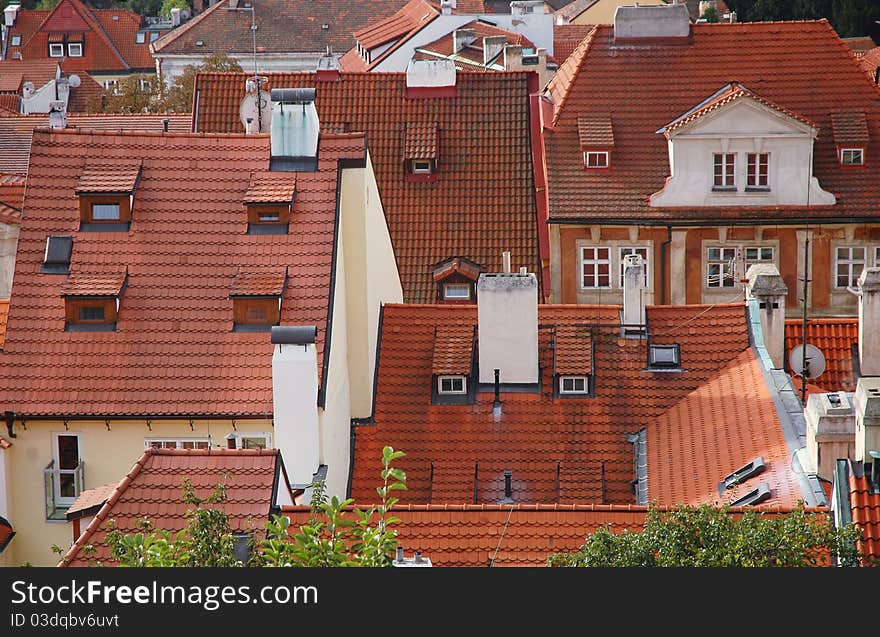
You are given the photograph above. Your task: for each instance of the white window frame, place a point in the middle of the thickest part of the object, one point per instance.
(15, 40)
(596, 262)
(140, 37)
(730, 267)
(112, 86)
(728, 171)
(70, 49)
(178, 442)
(623, 250)
(56, 49)
(145, 84)
(451, 378)
(597, 154)
(421, 166)
(466, 287)
(849, 263)
(574, 379)
(240, 436)
(64, 501)
(853, 153)
(762, 180)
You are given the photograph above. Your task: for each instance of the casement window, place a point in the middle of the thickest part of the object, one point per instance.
(758, 171)
(249, 440)
(642, 251)
(74, 49)
(723, 263)
(449, 384)
(177, 443)
(56, 50)
(852, 156)
(457, 291)
(574, 384)
(596, 159)
(664, 356)
(595, 267)
(724, 169)
(140, 37)
(849, 261)
(421, 166)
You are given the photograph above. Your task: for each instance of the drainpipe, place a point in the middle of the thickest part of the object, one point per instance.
(663, 269)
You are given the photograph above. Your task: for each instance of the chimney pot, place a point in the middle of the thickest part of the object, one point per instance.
(505, 261)
(57, 116)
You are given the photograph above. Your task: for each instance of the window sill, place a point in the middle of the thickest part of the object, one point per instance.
(90, 327)
(757, 189)
(723, 188)
(665, 370)
(97, 226)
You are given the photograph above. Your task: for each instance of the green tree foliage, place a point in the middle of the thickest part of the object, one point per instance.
(132, 96)
(850, 18)
(710, 14)
(333, 536)
(46, 5)
(179, 96)
(707, 536)
(168, 5)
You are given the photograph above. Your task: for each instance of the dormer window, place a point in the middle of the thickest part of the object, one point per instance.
(420, 151)
(456, 280)
(596, 137)
(452, 365)
(573, 361)
(256, 299)
(269, 200)
(56, 49)
(106, 196)
(92, 300)
(850, 132)
(852, 156)
(457, 291)
(664, 357)
(56, 259)
(74, 49)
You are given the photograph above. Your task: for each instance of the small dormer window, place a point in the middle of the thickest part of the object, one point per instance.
(572, 360)
(596, 159)
(664, 357)
(421, 166)
(852, 156)
(74, 49)
(420, 151)
(106, 195)
(596, 137)
(269, 199)
(457, 291)
(574, 384)
(56, 259)
(256, 299)
(451, 385)
(92, 300)
(452, 365)
(56, 50)
(15, 40)
(455, 279)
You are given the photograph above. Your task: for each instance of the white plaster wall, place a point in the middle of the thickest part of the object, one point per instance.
(170, 66)
(8, 245)
(507, 310)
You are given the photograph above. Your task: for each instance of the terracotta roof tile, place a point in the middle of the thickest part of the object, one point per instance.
(595, 131)
(411, 17)
(420, 141)
(453, 350)
(186, 242)
(457, 265)
(271, 188)
(474, 53)
(566, 37)
(91, 498)
(865, 508)
(544, 441)
(835, 337)
(642, 88)
(13, 73)
(251, 282)
(869, 62)
(152, 489)
(109, 178)
(849, 128)
(4, 315)
(11, 198)
(482, 202)
(88, 284)
(574, 350)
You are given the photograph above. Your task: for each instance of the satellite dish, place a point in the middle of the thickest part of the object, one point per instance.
(74, 80)
(815, 361)
(262, 115)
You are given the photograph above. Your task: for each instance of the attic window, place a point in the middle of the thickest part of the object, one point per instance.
(106, 194)
(140, 38)
(852, 156)
(420, 151)
(56, 50)
(452, 364)
(74, 49)
(755, 496)
(742, 474)
(455, 280)
(664, 356)
(451, 385)
(256, 299)
(850, 132)
(596, 137)
(596, 159)
(92, 301)
(200, 43)
(56, 259)
(15, 40)
(573, 359)
(574, 384)
(269, 199)
(457, 291)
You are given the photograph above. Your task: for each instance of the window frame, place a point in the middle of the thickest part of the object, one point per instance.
(849, 262)
(756, 180)
(585, 378)
(59, 49)
(86, 210)
(179, 442)
(15, 40)
(240, 436)
(852, 150)
(452, 377)
(598, 154)
(596, 262)
(242, 322)
(727, 175)
(654, 364)
(140, 37)
(73, 306)
(456, 285)
(738, 250)
(70, 46)
(421, 166)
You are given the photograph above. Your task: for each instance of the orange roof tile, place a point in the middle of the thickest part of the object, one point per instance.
(595, 131)
(566, 38)
(4, 315)
(457, 265)
(544, 441)
(482, 202)
(420, 141)
(271, 188)
(11, 198)
(117, 177)
(835, 337)
(869, 62)
(453, 350)
(91, 498)
(573, 350)
(849, 128)
(474, 53)
(88, 284)
(186, 242)
(411, 17)
(865, 507)
(642, 87)
(15, 72)
(152, 490)
(250, 282)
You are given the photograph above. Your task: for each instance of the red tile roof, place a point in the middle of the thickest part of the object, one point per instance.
(865, 508)
(595, 131)
(89, 499)
(573, 350)
(455, 535)
(13, 73)
(566, 38)
(473, 55)
(641, 87)
(187, 240)
(849, 128)
(4, 315)
(11, 198)
(271, 188)
(251, 282)
(221, 29)
(482, 202)
(453, 350)
(90, 284)
(869, 62)
(87, 97)
(394, 30)
(716, 429)
(860, 45)
(152, 490)
(109, 178)
(553, 454)
(420, 141)
(835, 337)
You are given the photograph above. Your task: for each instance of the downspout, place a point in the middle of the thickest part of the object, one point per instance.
(663, 269)
(539, 171)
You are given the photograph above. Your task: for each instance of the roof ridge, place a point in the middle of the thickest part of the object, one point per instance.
(174, 34)
(576, 60)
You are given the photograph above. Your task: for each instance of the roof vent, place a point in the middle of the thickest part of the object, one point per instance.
(662, 357)
(659, 22)
(294, 130)
(755, 496)
(508, 488)
(56, 259)
(742, 474)
(417, 560)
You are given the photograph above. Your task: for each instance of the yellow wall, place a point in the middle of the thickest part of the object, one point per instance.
(107, 456)
(603, 11)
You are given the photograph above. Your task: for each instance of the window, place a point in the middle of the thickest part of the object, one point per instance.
(595, 267)
(177, 443)
(75, 49)
(89, 313)
(111, 85)
(63, 476)
(664, 356)
(145, 84)
(725, 164)
(16, 40)
(248, 441)
(141, 37)
(421, 166)
(256, 313)
(758, 171)
(105, 212)
(154, 35)
(642, 252)
(269, 217)
(722, 263)
(56, 258)
(573, 385)
(852, 156)
(849, 261)
(451, 385)
(56, 50)
(457, 291)
(596, 159)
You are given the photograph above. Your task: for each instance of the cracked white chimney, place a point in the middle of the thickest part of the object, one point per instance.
(765, 284)
(633, 297)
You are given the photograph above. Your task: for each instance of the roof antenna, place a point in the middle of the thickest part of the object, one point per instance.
(496, 406)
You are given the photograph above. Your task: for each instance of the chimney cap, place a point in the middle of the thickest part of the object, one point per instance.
(764, 280)
(294, 334)
(869, 280)
(293, 95)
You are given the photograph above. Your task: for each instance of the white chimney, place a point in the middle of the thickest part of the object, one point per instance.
(447, 6)
(27, 90)
(430, 73)
(175, 17)
(233, 4)
(492, 46)
(507, 315)
(57, 115)
(831, 430)
(505, 262)
(657, 21)
(512, 57)
(462, 38)
(295, 400)
(523, 7)
(62, 90)
(766, 286)
(869, 321)
(866, 404)
(10, 13)
(633, 293)
(294, 129)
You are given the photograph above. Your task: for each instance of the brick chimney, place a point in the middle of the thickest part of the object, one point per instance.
(766, 286)
(869, 321)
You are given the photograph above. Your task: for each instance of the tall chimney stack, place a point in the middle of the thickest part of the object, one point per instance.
(866, 404)
(633, 297)
(766, 286)
(869, 322)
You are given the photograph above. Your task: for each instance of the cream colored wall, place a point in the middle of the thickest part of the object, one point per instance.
(107, 456)
(8, 243)
(371, 275)
(603, 11)
(5, 487)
